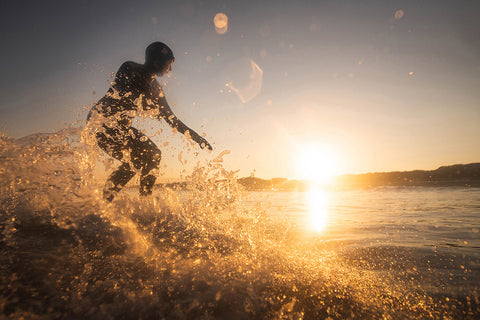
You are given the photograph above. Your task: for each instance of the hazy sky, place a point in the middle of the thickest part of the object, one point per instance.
(383, 85)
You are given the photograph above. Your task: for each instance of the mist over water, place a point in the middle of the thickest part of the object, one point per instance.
(219, 252)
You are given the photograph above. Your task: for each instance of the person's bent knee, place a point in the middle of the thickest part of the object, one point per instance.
(156, 158)
(150, 162)
(153, 164)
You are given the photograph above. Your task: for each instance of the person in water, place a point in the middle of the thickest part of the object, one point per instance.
(134, 90)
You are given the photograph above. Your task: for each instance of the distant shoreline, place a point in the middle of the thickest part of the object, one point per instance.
(458, 175)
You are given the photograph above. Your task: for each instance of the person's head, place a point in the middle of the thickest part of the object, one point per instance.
(159, 58)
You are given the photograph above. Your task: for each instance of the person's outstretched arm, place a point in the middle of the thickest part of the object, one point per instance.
(166, 113)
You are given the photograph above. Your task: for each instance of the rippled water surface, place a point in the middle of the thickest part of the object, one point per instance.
(419, 217)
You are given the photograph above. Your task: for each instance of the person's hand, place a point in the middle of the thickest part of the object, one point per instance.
(203, 143)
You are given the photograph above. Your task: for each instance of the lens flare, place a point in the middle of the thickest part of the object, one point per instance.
(249, 87)
(221, 23)
(399, 14)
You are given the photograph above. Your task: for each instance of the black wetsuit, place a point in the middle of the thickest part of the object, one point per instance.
(132, 90)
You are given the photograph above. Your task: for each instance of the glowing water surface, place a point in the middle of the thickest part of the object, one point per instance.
(421, 217)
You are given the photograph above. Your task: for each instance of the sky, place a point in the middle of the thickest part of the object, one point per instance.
(370, 85)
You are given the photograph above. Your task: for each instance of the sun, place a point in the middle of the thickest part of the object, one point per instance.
(317, 163)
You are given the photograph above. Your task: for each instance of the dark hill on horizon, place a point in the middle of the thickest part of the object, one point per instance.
(464, 175)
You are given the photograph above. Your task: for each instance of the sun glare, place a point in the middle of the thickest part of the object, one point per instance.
(317, 200)
(317, 163)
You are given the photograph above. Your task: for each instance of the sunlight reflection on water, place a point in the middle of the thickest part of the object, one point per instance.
(318, 203)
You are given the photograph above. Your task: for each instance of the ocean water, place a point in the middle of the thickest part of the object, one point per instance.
(217, 251)
(417, 217)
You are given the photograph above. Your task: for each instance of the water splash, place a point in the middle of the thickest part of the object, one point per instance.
(195, 253)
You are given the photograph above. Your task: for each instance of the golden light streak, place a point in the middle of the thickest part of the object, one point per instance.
(318, 202)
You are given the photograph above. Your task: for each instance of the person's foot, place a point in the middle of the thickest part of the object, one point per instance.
(146, 193)
(146, 184)
(109, 191)
(108, 195)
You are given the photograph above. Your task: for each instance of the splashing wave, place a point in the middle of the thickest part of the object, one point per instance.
(67, 254)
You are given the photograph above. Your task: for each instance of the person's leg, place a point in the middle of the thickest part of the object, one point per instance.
(113, 142)
(117, 180)
(146, 184)
(145, 157)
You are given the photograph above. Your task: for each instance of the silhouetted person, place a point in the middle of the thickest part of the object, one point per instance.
(135, 89)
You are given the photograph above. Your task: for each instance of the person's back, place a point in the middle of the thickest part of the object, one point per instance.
(135, 89)
(129, 90)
